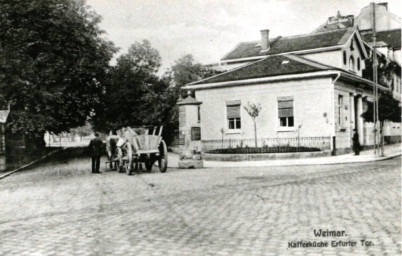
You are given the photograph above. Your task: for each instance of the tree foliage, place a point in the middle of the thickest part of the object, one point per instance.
(385, 70)
(389, 109)
(187, 70)
(134, 94)
(52, 60)
(253, 110)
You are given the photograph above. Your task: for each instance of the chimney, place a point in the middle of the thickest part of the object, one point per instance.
(265, 40)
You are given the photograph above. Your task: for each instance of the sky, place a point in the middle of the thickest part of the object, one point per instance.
(208, 29)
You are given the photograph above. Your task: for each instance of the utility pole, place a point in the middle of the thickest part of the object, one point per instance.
(375, 80)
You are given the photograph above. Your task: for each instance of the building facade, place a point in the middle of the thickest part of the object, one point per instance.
(311, 89)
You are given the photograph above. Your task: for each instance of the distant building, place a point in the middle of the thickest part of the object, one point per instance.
(3, 119)
(385, 20)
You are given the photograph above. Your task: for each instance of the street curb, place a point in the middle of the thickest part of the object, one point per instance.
(299, 164)
(30, 164)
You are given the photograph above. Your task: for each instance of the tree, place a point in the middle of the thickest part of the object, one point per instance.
(253, 110)
(134, 94)
(385, 70)
(187, 70)
(52, 65)
(389, 109)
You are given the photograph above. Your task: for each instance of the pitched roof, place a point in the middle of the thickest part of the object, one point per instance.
(390, 37)
(291, 44)
(270, 66)
(189, 101)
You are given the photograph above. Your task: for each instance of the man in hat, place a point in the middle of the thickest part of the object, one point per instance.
(356, 143)
(96, 150)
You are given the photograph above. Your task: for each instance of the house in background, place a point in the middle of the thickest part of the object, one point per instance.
(311, 87)
(3, 119)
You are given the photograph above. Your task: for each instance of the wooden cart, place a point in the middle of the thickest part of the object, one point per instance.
(141, 149)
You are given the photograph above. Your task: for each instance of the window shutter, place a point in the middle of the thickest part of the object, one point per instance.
(285, 106)
(233, 102)
(285, 112)
(233, 111)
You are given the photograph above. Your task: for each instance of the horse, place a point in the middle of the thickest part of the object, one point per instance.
(112, 149)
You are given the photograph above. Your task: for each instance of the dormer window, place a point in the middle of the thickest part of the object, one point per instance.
(344, 58)
(351, 64)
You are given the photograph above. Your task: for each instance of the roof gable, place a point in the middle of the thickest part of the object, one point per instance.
(291, 44)
(189, 101)
(359, 41)
(391, 37)
(269, 66)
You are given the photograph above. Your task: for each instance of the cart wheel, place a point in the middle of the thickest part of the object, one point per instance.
(163, 157)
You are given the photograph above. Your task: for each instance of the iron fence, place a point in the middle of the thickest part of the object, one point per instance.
(321, 143)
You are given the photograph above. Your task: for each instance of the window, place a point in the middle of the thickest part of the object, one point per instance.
(233, 115)
(358, 64)
(351, 63)
(195, 133)
(344, 58)
(351, 46)
(199, 114)
(340, 112)
(285, 111)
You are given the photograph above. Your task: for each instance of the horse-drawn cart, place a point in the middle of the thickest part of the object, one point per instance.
(136, 146)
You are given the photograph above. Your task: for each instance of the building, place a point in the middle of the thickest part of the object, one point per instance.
(311, 88)
(385, 20)
(3, 119)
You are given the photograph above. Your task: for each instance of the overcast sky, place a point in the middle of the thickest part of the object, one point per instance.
(210, 28)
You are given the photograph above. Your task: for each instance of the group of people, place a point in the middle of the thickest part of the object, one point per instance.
(96, 149)
(115, 140)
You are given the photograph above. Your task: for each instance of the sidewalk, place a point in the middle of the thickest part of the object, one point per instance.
(365, 156)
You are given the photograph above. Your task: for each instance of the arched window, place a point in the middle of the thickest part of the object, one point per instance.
(351, 46)
(358, 64)
(344, 58)
(351, 63)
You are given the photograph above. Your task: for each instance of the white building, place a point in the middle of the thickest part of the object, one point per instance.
(310, 87)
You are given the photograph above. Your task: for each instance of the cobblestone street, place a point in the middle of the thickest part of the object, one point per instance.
(62, 209)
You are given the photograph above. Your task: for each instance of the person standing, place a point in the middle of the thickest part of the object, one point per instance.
(356, 143)
(96, 150)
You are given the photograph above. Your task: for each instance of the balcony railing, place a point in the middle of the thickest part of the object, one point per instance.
(321, 143)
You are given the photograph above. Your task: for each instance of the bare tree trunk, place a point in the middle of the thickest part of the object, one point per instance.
(255, 133)
(382, 138)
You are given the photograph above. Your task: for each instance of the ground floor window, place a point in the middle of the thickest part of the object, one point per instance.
(286, 121)
(285, 111)
(233, 115)
(234, 123)
(195, 133)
